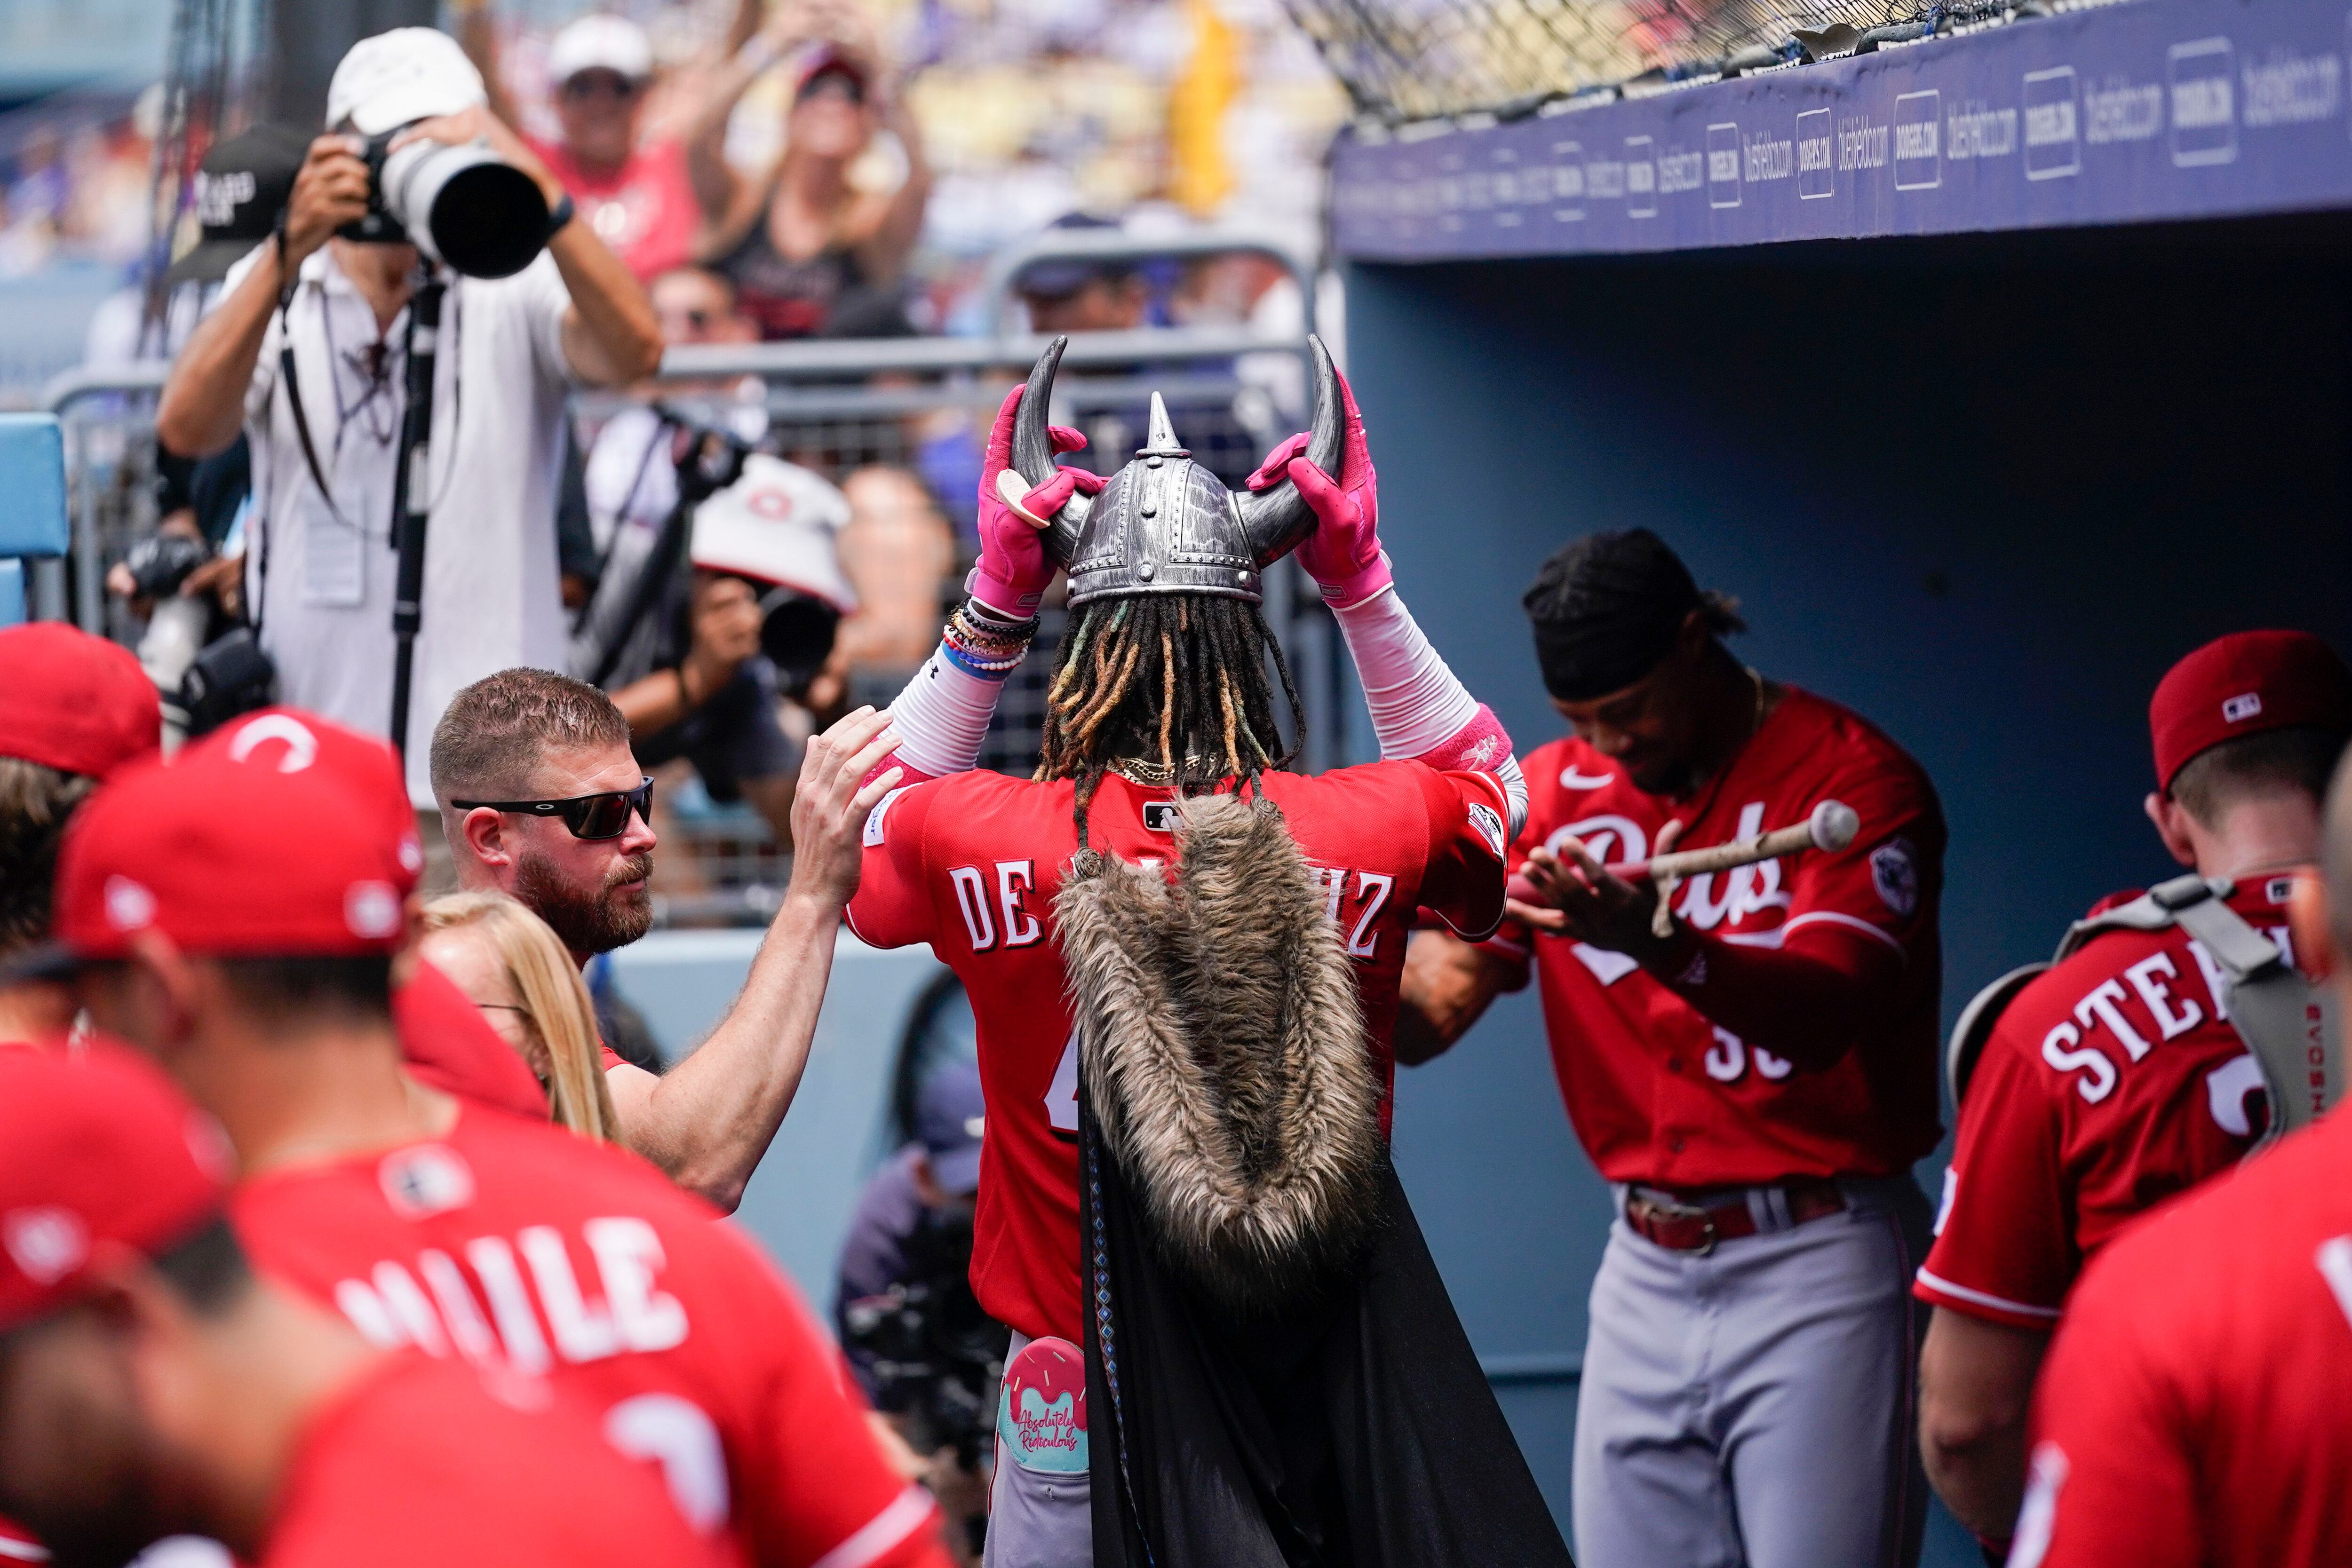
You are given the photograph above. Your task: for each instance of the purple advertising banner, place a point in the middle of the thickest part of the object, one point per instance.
(2148, 110)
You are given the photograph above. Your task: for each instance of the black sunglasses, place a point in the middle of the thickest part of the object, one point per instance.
(604, 816)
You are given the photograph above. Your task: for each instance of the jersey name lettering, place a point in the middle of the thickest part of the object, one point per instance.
(521, 1284)
(1353, 900)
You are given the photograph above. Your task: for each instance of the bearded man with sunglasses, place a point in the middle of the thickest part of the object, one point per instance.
(542, 800)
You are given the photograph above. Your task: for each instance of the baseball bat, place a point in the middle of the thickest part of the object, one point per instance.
(1831, 826)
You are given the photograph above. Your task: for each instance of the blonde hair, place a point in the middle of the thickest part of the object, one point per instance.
(555, 1004)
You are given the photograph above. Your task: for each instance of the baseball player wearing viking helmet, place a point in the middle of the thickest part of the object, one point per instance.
(1230, 1345)
(2170, 1036)
(1750, 1062)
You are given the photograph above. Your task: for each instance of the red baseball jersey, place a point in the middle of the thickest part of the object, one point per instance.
(2113, 1082)
(971, 864)
(2193, 1408)
(1657, 1093)
(18, 1545)
(421, 1462)
(512, 1243)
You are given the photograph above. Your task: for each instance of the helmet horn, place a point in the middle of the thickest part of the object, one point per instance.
(1277, 521)
(1033, 452)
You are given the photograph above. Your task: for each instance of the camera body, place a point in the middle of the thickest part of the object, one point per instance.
(465, 205)
(933, 1356)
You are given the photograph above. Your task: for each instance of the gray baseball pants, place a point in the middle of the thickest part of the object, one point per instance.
(1752, 1407)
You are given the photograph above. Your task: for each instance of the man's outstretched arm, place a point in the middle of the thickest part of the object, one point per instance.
(710, 1119)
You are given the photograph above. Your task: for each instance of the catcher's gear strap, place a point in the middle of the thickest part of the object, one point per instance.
(2294, 1029)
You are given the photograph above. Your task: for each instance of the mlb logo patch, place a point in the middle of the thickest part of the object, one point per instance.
(2241, 707)
(425, 1180)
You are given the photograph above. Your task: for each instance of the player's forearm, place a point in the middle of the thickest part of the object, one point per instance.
(203, 405)
(1809, 1007)
(1420, 709)
(710, 1119)
(1976, 1386)
(942, 715)
(1446, 986)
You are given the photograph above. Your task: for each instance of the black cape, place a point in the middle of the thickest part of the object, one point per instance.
(1356, 1431)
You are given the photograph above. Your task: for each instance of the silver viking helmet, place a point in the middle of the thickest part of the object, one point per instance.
(1164, 523)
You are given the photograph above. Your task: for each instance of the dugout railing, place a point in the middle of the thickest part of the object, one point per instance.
(919, 405)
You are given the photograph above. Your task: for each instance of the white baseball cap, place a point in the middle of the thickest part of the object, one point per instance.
(601, 43)
(407, 74)
(776, 524)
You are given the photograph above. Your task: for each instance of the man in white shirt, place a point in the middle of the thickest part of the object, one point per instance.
(319, 572)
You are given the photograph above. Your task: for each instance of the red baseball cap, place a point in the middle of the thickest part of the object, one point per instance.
(74, 702)
(231, 860)
(97, 1150)
(2246, 683)
(293, 740)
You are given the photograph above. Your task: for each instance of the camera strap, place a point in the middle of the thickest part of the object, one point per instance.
(293, 383)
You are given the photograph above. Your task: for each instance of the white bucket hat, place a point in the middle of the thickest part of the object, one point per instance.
(776, 524)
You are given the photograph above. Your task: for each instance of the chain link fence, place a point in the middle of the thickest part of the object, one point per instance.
(1404, 60)
(909, 415)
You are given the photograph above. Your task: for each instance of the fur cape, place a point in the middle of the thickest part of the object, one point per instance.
(1222, 1044)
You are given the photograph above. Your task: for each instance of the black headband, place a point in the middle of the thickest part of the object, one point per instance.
(1606, 610)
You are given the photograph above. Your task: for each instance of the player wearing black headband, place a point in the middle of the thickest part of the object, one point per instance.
(1754, 1075)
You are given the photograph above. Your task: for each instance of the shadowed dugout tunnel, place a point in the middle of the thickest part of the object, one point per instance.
(1983, 489)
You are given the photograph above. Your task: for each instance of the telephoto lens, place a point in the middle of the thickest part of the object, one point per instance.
(466, 206)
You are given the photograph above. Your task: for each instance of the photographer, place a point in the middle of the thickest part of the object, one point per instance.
(914, 1333)
(326, 314)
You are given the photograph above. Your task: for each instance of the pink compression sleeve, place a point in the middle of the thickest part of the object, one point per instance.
(1420, 709)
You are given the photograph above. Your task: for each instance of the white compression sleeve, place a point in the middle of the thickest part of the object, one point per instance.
(1417, 703)
(942, 715)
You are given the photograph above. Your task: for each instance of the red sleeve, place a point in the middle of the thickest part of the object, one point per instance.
(2112, 1479)
(1513, 945)
(822, 1490)
(1462, 879)
(1837, 976)
(2004, 1245)
(893, 906)
(612, 1058)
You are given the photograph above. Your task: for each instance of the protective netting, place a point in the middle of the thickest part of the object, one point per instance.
(1417, 60)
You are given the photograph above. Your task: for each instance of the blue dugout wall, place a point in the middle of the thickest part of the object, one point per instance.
(1982, 489)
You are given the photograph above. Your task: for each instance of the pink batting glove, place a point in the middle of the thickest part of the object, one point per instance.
(1014, 570)
(1343, 555)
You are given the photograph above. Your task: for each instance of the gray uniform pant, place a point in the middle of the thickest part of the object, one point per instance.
(1752, 1407)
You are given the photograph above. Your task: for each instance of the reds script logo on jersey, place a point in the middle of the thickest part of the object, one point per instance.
(1658, 1091)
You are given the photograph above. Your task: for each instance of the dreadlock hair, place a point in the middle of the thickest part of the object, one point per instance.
(1178, 679)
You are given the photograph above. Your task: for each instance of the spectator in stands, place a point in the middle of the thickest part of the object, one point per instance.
(542, 800)
(74, 708)
(512, 968)
(321, 585)
(814, 250)
(633, 189)
(1109, 295)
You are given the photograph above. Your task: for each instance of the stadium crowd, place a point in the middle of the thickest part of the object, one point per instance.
(339, 1221)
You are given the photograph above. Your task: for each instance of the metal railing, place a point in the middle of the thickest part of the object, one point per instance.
(844, 408)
